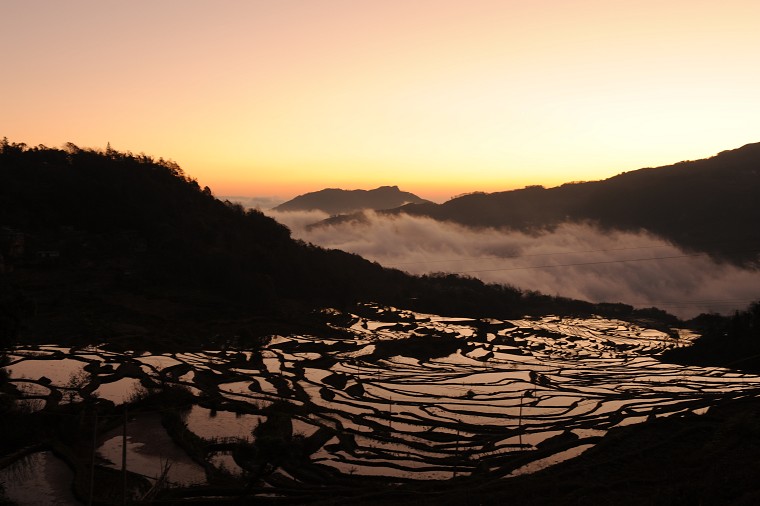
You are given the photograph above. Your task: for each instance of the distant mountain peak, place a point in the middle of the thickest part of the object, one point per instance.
(337, 201)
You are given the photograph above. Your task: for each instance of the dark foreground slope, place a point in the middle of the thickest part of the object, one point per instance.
(101, 244)
(335, 201)
(706, 205)
(709, 459)
(727, 341)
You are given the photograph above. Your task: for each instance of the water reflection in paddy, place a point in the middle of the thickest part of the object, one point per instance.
(224, 461)
(148, 448)
(210, 424)
(118, 391)
(539, 464)
(59, 371)
(38, 478)
(502, 392)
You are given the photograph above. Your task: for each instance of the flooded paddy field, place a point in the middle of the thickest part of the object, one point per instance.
(394, 396)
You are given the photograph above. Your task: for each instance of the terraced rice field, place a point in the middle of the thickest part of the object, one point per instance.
(401, 396)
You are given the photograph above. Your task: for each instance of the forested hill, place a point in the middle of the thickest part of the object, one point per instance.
(704, 205)
(335, 201)
(147, 218)
(83, 232)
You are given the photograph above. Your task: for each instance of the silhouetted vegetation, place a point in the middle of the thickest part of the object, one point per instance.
(703, 205)
(727, 341)
(86, 231)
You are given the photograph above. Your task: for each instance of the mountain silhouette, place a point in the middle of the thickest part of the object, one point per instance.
(88, 236)
(335, 201)
(707, 205)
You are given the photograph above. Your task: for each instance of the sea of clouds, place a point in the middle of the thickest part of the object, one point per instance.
(573, 260)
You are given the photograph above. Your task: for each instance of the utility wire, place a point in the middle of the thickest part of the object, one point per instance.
(712, 301)
(511, 257)
(600, 262)
(605, 250)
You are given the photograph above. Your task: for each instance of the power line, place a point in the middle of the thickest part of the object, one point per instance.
(689, 305)
(713, 301)
(511, 257)
(578, 252)
(600, 262)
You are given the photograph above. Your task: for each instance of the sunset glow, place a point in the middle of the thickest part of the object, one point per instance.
(438, 97)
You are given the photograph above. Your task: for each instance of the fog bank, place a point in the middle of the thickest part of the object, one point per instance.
(575, 260)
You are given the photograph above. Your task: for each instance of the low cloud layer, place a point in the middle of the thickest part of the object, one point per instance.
(574, 260)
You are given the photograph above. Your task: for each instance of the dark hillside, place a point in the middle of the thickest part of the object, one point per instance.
(705, 205)
(727, 341)
(136, 221)
(99, 243)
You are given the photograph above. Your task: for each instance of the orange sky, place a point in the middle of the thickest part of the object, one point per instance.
(440, 97)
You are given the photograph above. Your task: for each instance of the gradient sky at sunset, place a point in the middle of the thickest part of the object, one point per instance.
(281, 97)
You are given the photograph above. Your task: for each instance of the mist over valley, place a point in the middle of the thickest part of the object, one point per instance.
(674, 237)
(573, 260)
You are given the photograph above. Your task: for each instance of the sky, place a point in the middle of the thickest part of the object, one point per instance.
(276, 98)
